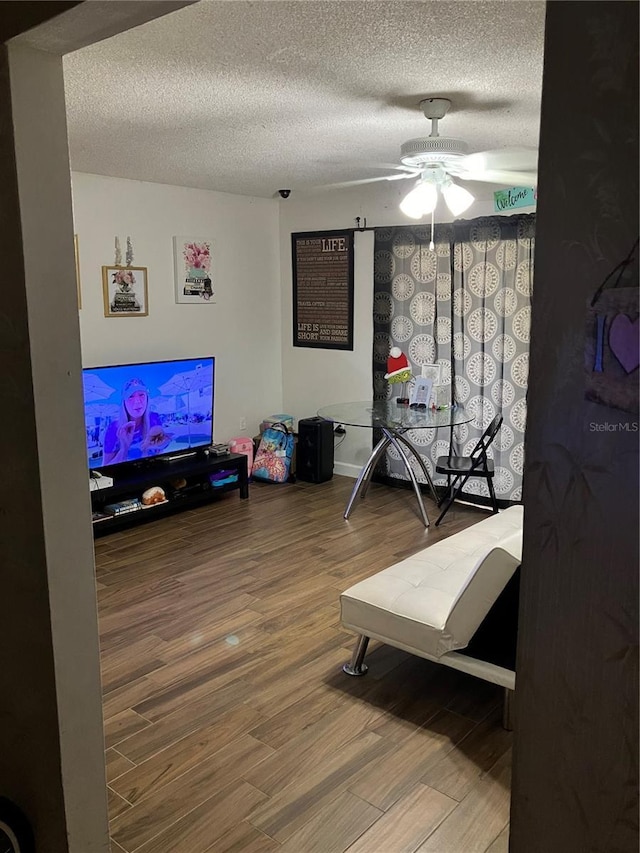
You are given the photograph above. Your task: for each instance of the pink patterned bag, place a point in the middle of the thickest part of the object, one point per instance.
(273, 459)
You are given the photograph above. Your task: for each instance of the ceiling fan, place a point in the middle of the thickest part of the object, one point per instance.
(436, 160)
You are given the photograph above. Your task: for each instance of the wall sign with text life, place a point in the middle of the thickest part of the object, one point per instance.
(323, 289)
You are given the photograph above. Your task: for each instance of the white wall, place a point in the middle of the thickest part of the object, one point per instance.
(242, 328)
(313, 377)
(249, 328)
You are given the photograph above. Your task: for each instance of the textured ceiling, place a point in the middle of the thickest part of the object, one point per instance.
(250, 97)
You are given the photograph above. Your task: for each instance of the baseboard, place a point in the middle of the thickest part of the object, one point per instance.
(466, 499)
(345, 469)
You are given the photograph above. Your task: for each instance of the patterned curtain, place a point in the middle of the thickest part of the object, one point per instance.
(467, 307)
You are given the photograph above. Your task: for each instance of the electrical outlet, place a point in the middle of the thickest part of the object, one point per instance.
(243, 423)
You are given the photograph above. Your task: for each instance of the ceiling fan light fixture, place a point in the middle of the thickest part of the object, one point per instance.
(421, 200)
(457, 198)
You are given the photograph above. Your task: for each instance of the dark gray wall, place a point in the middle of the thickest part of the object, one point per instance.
(576, 745)
(30, 760)
(17, 16)
(51, 737)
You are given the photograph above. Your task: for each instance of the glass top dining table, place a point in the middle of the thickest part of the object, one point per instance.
(394, 421)
(389, 414)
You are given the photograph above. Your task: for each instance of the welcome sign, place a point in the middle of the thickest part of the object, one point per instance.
(514, 197)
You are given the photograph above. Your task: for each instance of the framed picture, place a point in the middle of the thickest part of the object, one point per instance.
(432, 372)
(323, 289)
(439, 393)
(77, 253)
(124, 290)
(194, 274)
(421, 392)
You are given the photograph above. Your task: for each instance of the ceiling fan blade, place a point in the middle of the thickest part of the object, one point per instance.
(500, 176)
(397, 166)
(501, 159)
(342, 184)
(371, 164)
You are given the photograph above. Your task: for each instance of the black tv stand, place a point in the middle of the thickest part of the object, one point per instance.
(130, 481)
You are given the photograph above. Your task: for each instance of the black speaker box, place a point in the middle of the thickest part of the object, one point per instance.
(314, 460)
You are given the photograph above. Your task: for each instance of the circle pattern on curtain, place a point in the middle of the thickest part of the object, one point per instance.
(467, 307)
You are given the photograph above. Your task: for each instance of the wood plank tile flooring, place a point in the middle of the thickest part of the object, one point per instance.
(229, 725)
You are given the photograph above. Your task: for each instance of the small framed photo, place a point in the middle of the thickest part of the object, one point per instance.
(432, 372)
(421, 392)
(124, 290)
(194, 270)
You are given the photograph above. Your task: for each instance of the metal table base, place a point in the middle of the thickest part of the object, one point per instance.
(404, 448)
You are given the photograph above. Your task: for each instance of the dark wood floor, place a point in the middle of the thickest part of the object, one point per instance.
(229, 724)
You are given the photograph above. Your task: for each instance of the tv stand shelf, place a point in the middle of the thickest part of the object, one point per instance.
(130, 481)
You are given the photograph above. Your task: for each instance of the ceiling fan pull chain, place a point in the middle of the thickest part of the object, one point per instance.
(432, 244)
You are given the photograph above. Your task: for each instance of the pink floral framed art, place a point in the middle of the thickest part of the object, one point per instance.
(194, 274)
(124, 291)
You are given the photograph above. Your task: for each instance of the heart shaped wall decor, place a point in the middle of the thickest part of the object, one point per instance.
(624, 340)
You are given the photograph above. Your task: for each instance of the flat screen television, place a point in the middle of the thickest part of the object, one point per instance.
(139, 411)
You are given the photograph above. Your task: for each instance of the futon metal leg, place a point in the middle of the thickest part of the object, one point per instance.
(356, 665)
(507, 710)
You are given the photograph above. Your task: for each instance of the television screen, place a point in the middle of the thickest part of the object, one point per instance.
(137, 411)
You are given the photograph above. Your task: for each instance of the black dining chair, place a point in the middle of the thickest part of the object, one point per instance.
(463, 467)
